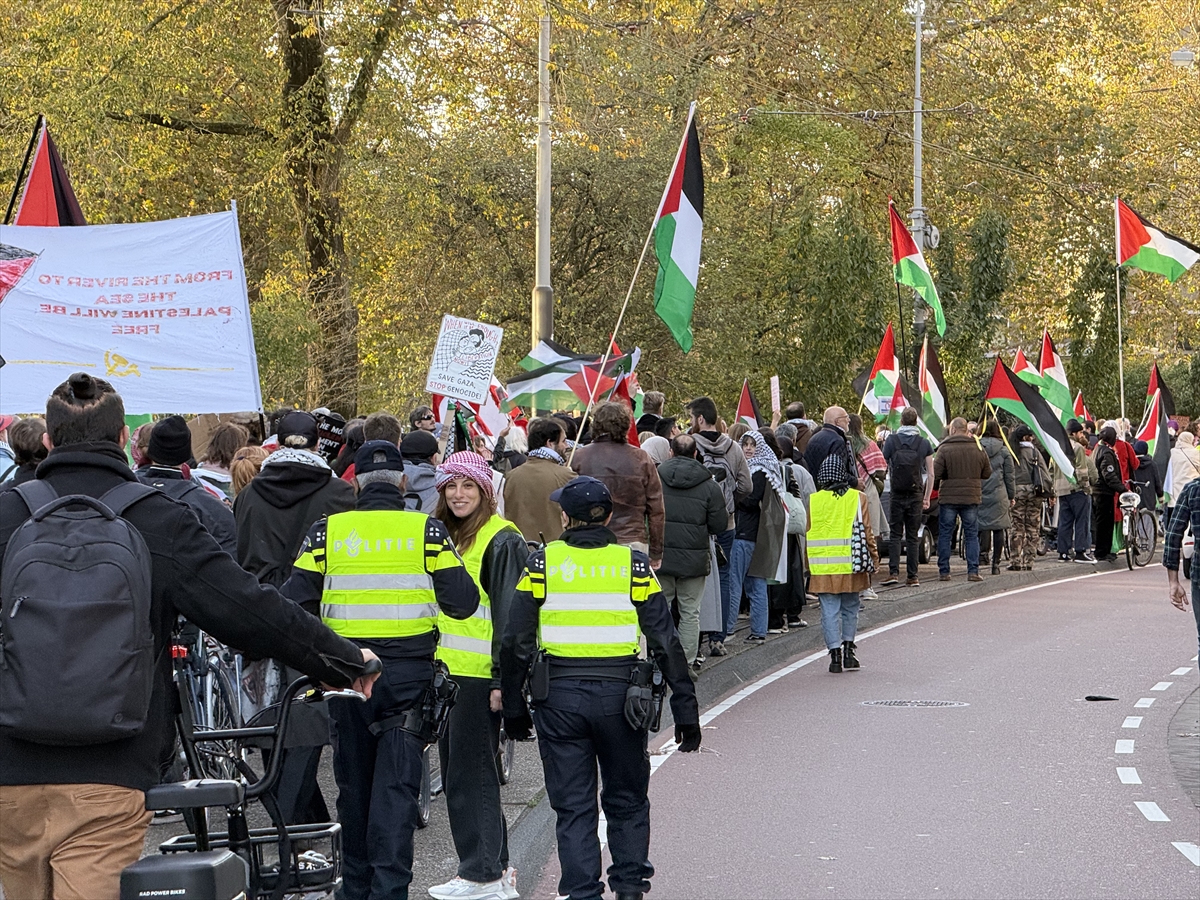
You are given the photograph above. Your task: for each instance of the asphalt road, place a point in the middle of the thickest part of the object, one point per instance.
(1027, 790)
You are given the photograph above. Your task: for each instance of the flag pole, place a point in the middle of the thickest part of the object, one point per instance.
(903, 337)
(12, 201)
(1120, 335)
(628, 294)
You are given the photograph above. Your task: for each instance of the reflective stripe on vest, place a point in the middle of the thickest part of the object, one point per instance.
(376, 585)
(465, 645)
(588, 612)
(829, 535)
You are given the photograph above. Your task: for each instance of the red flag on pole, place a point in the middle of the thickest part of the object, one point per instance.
(48, 197)
(747, 408)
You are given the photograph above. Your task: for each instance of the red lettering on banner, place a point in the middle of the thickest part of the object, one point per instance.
(136, 329)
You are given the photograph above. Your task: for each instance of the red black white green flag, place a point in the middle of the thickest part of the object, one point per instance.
(48, 197)
(1145, 247)
(1153, 431)
(909, 267)
(1157, 384)
(14, 263)
(935, 404)
(885, 375)
(747, 408)
(1009, 393)
(1054, 379)
(678, 229)
(1082, 414)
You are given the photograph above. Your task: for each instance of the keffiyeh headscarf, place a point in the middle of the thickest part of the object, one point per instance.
(763, 460)
(466, 464)
(546, 453)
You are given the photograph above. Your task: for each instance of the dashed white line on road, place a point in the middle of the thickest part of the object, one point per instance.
(1150, 810)
(1144, 703)
(1132, 722)
(1124, 747)
(1182, 670)
(1188, 849)
(1162, 686)
(1128, 775)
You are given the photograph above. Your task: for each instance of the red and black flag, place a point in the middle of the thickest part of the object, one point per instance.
(747, 408)
(48, 197)
(1014, 396)
(14, 263)
(1157, 384)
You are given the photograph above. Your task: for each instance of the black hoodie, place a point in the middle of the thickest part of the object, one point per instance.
(191, 576)
(275, 510)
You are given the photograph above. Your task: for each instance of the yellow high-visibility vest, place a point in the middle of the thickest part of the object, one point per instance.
(832, 526)
(589, 610)
(465, 645)
(376, 584)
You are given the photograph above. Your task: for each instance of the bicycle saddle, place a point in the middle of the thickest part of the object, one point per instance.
(194, 794)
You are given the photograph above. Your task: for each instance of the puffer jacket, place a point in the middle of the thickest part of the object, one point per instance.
(959, 470)
(999, 488)
(695, 509)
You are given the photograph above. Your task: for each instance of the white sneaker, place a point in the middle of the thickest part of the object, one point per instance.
(509, 880)
(867, 594)
(461, 889)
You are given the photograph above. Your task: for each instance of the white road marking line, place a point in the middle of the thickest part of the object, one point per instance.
(1188, 849)
(668, 749)
(1144, 703)
(1128, 775)
(1162, 686)
(1150, 810)
(1124, 747)
(1132, 722)
(1182, 670)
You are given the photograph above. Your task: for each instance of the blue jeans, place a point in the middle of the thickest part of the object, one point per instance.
(725, 539)
(839, 618)
(1074, 524)
(756, 589)
(948, 514)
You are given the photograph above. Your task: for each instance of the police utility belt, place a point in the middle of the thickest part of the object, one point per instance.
(427, 722)
(643, 697)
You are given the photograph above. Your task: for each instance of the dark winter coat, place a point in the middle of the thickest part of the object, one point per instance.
(695, 510)
(830, 439)
(215, 516)
(1148, 482)
(999, 489)
(274, 512)
(191, 576)
(959, 470)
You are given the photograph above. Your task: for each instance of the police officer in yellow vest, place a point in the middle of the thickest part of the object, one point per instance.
(495, 553)
(585, 600)
(379, 575)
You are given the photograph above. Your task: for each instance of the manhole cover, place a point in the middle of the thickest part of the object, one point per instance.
(918, 704)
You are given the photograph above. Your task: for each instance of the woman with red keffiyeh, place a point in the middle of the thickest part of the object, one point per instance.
(494, 553)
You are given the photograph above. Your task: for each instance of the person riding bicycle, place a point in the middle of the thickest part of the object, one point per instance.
(379, 575)
(72, 811)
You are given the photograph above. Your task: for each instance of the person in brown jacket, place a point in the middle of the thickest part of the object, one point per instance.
(638, 516)
(959, 469)
(528, 487)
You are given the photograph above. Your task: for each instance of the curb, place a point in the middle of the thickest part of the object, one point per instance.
(531, 838)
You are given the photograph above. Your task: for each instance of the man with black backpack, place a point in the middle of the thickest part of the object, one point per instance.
(96, 568)
(1108, 466)
(910, 464)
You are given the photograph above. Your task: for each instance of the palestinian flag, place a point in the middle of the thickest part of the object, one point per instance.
(1082, 414)
(884, 376)
(935, 405)
(747, 408)
(900, 400)
(48, 197)
(591, 385)
(14, 263)
(1025, 370)
(1153, 431)
(549, 353)
(546, 388)
(678, 228)
(1009, 393)
(1156, 384)
(1054, 388)
(908, 267)
(1141, 245)
(621, 393)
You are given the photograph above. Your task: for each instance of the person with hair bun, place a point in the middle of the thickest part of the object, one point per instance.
(494, 553)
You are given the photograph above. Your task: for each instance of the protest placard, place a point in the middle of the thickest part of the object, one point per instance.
(464, 359)
(775, 407)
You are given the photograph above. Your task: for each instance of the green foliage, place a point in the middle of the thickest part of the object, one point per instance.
(1092, 326)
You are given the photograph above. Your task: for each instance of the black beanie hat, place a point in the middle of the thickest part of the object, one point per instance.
(171, 442)
(419, 445)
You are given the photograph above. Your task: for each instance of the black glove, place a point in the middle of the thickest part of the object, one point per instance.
(519, 728)
(688, 738)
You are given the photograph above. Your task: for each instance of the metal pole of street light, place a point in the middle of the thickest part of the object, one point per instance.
(543, 294)
(917, 215)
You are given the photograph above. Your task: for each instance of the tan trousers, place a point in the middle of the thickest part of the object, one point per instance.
(69, 841)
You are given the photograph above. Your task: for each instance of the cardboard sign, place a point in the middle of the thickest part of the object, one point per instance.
(775, 393)
(464, 359)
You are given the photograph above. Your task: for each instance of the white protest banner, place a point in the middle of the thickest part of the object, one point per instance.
(464, 359)
(159, 309)
(775, 393)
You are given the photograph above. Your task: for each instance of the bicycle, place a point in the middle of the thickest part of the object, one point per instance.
(235, 863)
(208, 700)
(1139, 530)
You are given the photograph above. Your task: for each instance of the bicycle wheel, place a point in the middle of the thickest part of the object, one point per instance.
(217, 759)
(504, 757)
(1127, 539)
(1145, 537)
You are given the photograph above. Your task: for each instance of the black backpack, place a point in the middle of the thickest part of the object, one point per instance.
(907, 463)
(76, 645)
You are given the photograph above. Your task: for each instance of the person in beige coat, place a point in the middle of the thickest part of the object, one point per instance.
(528, 487)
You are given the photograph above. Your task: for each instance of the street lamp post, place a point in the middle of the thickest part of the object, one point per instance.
(543, 294)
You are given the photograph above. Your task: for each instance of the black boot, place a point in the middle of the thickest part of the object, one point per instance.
(849, 660)
(835, 659)
(996, 567)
